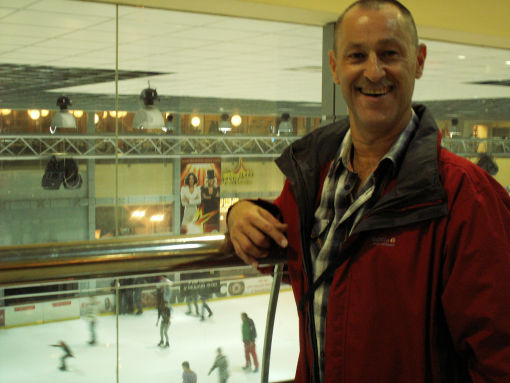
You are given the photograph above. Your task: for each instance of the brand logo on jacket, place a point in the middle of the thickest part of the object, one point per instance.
(384, 241)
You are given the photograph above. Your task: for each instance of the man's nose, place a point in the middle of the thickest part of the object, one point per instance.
(374, 70)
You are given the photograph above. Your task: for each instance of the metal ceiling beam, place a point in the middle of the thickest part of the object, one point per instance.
(104, 147)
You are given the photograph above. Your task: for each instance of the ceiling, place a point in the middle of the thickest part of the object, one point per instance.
(208, 63)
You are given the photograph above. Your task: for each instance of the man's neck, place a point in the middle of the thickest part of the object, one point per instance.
(370, 146)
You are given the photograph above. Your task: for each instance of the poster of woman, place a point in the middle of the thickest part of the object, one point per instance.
(200, 195)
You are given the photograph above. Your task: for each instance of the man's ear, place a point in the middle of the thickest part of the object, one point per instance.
(332, 66)
(420, 60)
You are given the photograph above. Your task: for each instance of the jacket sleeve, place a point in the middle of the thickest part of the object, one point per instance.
(476, 274)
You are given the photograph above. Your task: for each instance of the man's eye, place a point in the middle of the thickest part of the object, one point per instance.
(356, 55)
(390, 53)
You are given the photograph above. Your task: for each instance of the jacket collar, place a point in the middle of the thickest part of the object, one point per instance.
(302, 161)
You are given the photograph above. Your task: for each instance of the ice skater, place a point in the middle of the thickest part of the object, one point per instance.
(164, 314)
(221, 363)
(192, 296)
(67, 354)
(91, 311)
(188, 375)
(205, 307)
(249, 335)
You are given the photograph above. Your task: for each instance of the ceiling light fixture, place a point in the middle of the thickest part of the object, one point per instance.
(461, 57)
(195, 122)
(507, 62)
(5, 112)
(34, 114)
(225, 125)
(236, 120)
(62, 118)
(44, 112)
(148, 116)
(169, 124)
(78, 113)
(285, 126)
(138, 214)
(157, 218)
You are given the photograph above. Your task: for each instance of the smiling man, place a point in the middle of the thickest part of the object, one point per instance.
(398, 251)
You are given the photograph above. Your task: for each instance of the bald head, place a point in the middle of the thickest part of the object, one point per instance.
(379, 4)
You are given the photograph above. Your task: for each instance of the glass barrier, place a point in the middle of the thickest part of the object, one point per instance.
(143, 327)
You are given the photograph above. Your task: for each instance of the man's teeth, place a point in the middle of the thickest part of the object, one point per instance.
(374, 92)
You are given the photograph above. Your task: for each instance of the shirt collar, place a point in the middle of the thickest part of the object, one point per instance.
(394, 155)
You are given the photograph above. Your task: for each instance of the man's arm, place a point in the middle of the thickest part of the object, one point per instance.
(251, 229)
(476, 292)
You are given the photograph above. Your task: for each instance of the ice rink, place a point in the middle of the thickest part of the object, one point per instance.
(26, 354)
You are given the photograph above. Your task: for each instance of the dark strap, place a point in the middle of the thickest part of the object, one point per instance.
(327, 275)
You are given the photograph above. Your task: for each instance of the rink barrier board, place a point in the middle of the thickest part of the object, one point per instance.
(74, 308)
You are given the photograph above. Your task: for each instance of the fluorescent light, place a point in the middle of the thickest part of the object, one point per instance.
(157, 217)
(138, 214)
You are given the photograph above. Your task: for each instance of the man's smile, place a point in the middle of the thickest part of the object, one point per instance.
(375, 92)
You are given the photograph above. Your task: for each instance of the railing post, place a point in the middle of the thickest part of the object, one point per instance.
(271, 312)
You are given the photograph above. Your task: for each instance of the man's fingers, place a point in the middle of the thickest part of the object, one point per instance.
(251, 230)
(273, 228)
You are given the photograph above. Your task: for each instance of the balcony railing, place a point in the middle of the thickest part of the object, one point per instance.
(34, 265)
(108, 146)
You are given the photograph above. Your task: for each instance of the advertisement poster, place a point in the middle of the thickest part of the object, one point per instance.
(200, 195)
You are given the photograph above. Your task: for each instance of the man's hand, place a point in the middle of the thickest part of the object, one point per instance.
(251, 230)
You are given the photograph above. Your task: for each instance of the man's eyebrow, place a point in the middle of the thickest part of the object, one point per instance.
(354, 46)
(389, 40)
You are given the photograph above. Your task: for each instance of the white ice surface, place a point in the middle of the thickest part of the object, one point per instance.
(26, 355)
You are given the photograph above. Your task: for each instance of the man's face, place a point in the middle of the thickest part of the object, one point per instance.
(376, 64)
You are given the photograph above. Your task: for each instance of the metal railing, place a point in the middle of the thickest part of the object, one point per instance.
(23, 264)
(108, 146)
(473, 147)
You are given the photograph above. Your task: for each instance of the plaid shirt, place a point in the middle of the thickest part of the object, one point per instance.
(339, 212)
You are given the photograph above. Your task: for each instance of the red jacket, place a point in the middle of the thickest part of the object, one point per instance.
(424, 292)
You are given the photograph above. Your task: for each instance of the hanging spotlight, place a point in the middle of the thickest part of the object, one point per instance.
(96, 118)
(169, 124)
(285, 127)
(44, 112)
(454, 130)
(62, 118)
(225, 125)
(148, 117)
